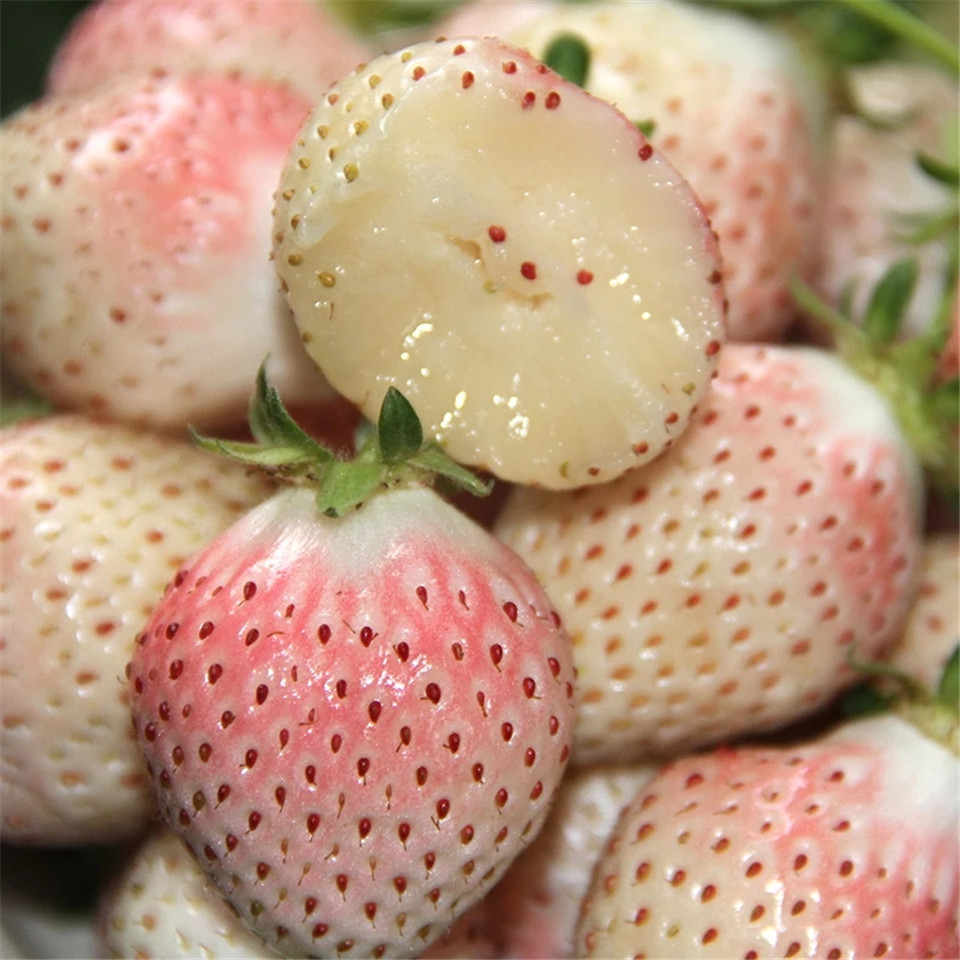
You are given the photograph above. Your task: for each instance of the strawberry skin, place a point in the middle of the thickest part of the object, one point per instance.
(96, 518)
(840, 847)
(161, 905)
(532, 912)
(932, 630)
(136, 249)
(721, 589)
(734, 108)
(549, 330)
(355, 723)
(297, 43)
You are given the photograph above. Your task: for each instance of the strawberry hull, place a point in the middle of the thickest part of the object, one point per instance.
(356, 724)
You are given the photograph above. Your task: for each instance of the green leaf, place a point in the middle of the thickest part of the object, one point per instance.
(646, 127)
(568, 55)
(398, 426)
(14, 411)
(945, 401)
(271, 423)
(940, 170)
(433, 459)
(885, 311)
(347, 484)
(255, 454)
(948, 690)
(864, 700)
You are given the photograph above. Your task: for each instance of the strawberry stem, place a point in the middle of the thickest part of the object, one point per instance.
(936, 713)
(394, 454)
(904, 372)
(903, 24)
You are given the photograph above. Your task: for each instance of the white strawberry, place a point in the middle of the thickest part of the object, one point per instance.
(95, 519)
(877, 194)
(720, 590)
(136, 279)
(459, 222)
(533, 911)
(356, 722)
(160, 904)
(932, 631)
(732, 105)
(842, 846)
(297, 42)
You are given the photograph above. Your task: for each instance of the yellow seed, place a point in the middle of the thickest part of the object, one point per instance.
(351, 171)
(332, 152)
(373, 80)
(360, 127)
(405, 56)
(322, 131)
(294, 259)
(327, 279)
(288, 193)
(387, 100)
(303, 163)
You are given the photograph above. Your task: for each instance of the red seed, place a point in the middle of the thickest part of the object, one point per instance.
(528, 270)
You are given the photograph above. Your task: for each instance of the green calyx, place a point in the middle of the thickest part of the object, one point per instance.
(936, 713)
(394, 454)
(904, 371)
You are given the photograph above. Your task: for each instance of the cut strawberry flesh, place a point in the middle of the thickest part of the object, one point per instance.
(553, 330)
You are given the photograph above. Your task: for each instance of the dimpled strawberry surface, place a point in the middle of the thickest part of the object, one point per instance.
(480, 480)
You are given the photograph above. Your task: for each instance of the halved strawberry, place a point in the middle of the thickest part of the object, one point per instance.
(731, 103)
(459, 222)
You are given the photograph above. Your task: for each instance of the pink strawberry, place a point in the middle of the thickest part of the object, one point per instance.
(720, 590)
(136, 280)
(95, 519)
(459, 222)
(732, 105)
(355, 722)
(161, 905)
(877, 194)
(843, 846)
(296, 42)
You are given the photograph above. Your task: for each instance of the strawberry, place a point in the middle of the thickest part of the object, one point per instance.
(720, 590)
(356, 717)
(880, 204)
(552, 330)
(136, 248)
(533, 911)
(843, 845)
(95, 519)
(296, 42)
(732, 105)
(160, 905)
(932, 630)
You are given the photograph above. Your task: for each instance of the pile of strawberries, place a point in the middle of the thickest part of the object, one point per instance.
(485, 491)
